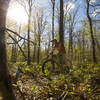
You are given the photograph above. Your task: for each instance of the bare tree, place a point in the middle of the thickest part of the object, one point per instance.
(29, 22)
(53, 14)
(35, 38)
(29, 13)
(41, 23)
(14, 52)
(91, 31)
(72, 20)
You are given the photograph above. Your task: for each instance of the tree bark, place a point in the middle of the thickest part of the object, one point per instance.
(14, 53)
(62, 54)
(53, 8)
(70, 51)
(38, 52)
(5, 82)
(83, 49)
(40, 27)
(34, 54)
(61, 26)
(91, 31)
(29, 22)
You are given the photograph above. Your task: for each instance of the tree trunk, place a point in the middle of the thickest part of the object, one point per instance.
(62, 54)
(38, 52)
(83, 40)
(14, 53)
(53, 8)
(5, 82)
(70, 45)
(28, 58)
(29, 22)
(61, 27)
(34, 54)
(91, 31)
(98, 45)
(48, 47)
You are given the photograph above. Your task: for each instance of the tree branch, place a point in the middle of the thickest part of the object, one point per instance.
(23, 5)
(19, 35)
(18, 46)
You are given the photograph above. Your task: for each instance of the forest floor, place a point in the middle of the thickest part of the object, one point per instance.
(83, 84)
(29, 85)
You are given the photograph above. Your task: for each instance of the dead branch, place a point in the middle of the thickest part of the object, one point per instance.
(18, 46)
(18, 35)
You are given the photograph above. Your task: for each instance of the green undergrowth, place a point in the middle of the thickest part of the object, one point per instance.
(81, 81)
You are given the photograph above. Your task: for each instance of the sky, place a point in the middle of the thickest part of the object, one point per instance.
(43, 3)
(17, 12)
(46, 4)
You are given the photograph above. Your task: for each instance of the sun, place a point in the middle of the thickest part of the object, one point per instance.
(17, 13)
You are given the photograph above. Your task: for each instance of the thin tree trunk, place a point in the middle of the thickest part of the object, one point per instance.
(83, 40)
(34, 54)
(38, 52)
(53, 8)
(14, 53)
(28, 58)
(70, 45)
(91, 31)
(48, 46)
(5, 82)
(29, 22)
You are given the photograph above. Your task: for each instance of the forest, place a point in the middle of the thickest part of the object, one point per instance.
(49, 49)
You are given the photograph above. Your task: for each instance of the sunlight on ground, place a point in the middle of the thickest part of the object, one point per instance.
(17, 13)
(1, 97)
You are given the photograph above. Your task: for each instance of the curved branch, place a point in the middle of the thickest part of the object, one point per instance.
(7, 29)
(18, 46)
